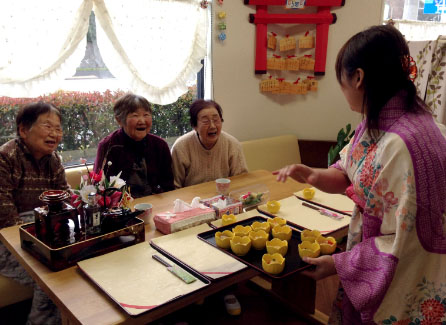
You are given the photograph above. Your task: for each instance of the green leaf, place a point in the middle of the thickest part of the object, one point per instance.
(393, 318)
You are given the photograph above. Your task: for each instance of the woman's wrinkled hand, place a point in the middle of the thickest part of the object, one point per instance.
(324, 267)
(298, 172)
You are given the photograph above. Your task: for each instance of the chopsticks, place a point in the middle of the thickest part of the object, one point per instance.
(324, 212)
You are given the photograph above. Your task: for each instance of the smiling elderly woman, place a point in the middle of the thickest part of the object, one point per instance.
(207, 152)
(144, 159)
(30, 165)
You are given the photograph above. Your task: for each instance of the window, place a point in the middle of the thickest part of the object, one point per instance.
(418, 20)
(86, 100)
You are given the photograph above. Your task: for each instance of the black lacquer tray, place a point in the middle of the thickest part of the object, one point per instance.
(293, 262)
(61, 254)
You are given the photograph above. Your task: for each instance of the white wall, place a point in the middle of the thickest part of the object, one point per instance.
(250, 114)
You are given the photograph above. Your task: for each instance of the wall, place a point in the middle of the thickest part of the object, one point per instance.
(250, 114)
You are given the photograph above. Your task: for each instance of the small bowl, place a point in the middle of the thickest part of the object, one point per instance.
(273, 206)
(308, 249)
(310, 235)
(327, 244)
(273, 263)
(265, 226)
(241, 230)
(277, 245)
(240, 245)
(282, 232)
(308, 193)
(276, 221)
(258, 239)
(227, 219)
(223, 239)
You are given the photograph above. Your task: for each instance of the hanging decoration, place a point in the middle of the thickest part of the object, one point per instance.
(292, 63)
(287, 43)
(269, 84)
(306, 42)
(282, 86)
(272, 41)
(311, 83)
(276, 62)
(322, 19)
(204, 4)
(221, 26)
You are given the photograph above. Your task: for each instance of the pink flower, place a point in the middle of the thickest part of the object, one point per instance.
(96, 177)
(101, 201)
(82, 160)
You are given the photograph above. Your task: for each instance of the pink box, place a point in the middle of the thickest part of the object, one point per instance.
(169, 222)
(233, 206)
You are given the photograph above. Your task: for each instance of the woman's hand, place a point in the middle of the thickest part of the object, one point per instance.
(324, 267)
(299, 172)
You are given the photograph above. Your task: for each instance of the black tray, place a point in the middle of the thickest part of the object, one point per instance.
(293, 262)
(61, 256)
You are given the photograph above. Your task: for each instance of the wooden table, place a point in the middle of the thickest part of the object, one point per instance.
(81, 302)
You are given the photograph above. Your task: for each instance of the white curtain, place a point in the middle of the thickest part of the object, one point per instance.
(430, 57)
(41, 42)
(153, 46)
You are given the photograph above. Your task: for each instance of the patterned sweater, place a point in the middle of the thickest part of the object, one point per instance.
(23, 179)
(193, 164)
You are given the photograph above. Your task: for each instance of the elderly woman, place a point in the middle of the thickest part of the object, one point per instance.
(143, 159)
(207, 152)
(29, 165)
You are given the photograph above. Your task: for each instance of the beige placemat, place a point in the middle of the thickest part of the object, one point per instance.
(240, 217)
(335, 201)
(292, 210)
(134, 280)
(204, 258)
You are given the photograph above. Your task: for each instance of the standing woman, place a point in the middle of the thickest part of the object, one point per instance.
(143, 159)
(207, 152)
(30, 165)
(394, 169)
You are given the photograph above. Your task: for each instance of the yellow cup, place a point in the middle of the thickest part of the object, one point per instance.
(308, 193)
(273, 206)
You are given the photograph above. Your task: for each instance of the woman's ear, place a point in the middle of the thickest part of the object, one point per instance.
(359, 81)
(119, 122)
(22, 131)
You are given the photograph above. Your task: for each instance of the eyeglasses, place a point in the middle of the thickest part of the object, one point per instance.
(50, 128)
(216, 120)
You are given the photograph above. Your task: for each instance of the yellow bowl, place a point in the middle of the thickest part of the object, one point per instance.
(282, 232)
(258, 239)
(223, 239)
(276, 221)
(273, 206)
(309, 235)
(241, 230)
(227, 219)
(277, 245)
(240, 245)
(308, 249)
(273, 263)
(308, 193)
(327, 244)
(265, 226)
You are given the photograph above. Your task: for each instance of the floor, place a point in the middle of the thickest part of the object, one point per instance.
(257, 306)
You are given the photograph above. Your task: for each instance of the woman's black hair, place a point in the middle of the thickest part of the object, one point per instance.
(382, 53)
(29, 114)
(200, 104)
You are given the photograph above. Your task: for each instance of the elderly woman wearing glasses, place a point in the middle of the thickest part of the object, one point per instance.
(30, 165)
(142, 158)
(207, 152)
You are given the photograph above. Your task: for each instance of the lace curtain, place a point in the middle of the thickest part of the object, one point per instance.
(153, 46)
(41, 42)
(430, 57)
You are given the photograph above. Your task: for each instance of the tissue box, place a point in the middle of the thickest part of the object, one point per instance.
(169, 222)
(233, 206)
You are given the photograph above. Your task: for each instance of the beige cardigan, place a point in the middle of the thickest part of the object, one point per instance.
(193, 164)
